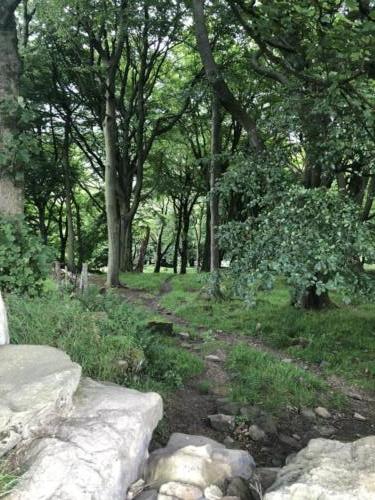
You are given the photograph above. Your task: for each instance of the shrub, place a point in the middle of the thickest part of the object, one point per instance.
(24, 261)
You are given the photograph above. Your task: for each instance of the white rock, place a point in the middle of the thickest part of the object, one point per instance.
(322, 412)
(358, 416)
(181, 490)
(148, 495)
(97, 452)
(214, 358)
(202, 465)
(136, 489)
(328, 470)
(37, 384)
(179, 440)
(213, 492)
(4, 332)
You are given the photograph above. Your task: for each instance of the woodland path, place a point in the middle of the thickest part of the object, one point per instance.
(188, 408)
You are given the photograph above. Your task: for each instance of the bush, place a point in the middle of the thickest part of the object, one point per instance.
(103, 334)
(24, 261)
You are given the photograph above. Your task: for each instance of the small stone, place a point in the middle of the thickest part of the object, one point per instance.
(180, 490)
(296, 436)
(325, 430)
(256, 433)
(322, 412)
(135, 489)
(186, 345)
(228, 441)
(308, 413)
(290, 458)
(213, 493)
(221, 422)
(287, 360)
(267, 476)
(289, 441)
(258, 327)
(148, 495)
(183, 335)
(214, 358)
(358, 416)
(239, 488)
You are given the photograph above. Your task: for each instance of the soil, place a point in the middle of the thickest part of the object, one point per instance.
(188, 409)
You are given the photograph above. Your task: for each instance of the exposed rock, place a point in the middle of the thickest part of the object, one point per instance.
(4, 332)
(256, 433)
(135, 489)
(148, 495)
(37, 384)
(289, 441)
(358, 416)
(183, 335)
(257, 416)
(237, 487)
(214, 358)
(203, 463)
(328, 470)
(161, 496)
(161, 327)
(213, 492)
(97, 452)
(181, 490)
(290, 458)
(267, 476)
(325, 430)
(308, 414)
(287, 360)
(322, 412)
(221, 422)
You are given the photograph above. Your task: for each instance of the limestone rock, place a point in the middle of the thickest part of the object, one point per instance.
(328, 470)
(37, 384)
(181, 490)
(213, 493)
(148, 495)
(201, 461)
(221, 422)
(214, 358)
(97, 452)
(4, 332)
(322, 412)
(308, 414)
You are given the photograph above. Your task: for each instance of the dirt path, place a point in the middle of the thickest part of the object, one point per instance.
(187, 410)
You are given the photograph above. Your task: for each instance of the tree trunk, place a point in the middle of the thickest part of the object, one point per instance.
(143, 250)
(11, 179)
(310, 300)
(68, 199)
(158, 253)
(177, 242)
(185, 239)
(111, 203)
(214, 176)
(206, 256)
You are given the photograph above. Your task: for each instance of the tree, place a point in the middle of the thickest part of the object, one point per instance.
(11, 176)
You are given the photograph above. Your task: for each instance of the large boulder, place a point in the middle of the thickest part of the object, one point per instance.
(95, 453)
(198, 461)
(37, 384)
(328, 470)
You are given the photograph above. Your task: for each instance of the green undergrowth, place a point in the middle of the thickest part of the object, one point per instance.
(341, 340)
(8, 478)
(260, 379)
(105, 335)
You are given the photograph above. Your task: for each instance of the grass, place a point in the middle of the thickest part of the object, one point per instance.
(8, 478)
(342, 340)
(259, 379)
(106, 336)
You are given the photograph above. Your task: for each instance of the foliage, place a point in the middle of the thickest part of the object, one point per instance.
(104, 335)
(258, 378)
(8, 477)
(24, 261)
